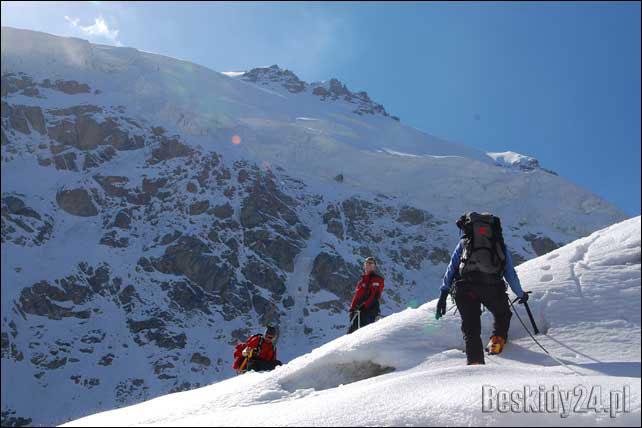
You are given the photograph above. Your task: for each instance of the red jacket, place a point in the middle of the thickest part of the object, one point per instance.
(267, 351)
(368, 289)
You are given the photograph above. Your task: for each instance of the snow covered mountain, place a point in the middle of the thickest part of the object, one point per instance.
(408, 369)
(154, 212)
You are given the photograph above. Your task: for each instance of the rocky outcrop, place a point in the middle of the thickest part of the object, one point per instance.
(273, 247)
(69, 87)
(76, 202)
(198, 208)
(24, 118)
(223, 211)
(23, 225)
(330, 272)
(262, 275)
(78, 128)
(122, 220)
(541, 244)
(198, 358)
(43, 298)
(169, 149)
(155, 330)
(112, 239)
(274, 73)
(333, 222)
(332, 90)
(266, 203)
(412, 216)
(189, 256)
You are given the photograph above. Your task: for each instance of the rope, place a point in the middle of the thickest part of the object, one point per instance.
(540, 345)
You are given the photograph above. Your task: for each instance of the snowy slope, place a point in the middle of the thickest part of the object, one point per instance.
(264, 113)
(407, 369)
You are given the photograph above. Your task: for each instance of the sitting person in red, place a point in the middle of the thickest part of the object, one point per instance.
(365, 303)
(258, 353)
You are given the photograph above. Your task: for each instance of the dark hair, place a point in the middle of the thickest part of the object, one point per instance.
(271, 331)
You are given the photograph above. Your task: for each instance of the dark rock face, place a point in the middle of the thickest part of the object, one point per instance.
(265, 202)
(79, 129)
(20, 117)
(123, 220)
(17, 206)
(188, 297)
(332, 219)
(76, 202)
(9, 419)
(541, 244)
(202, 360)
(223, 211)
(189, 256)
(9, 347)
(156, 330)
(330, 272)
(169, 149)
(198, 208)
(273, 247)
(263, 276)
(79, 289)
(112, 239)
(69, 87)
(17, 82)
(275, 74)
(333, 90)
(412, 216)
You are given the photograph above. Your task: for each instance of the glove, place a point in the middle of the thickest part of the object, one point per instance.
(441, 305)
(246, 352)
(523, 299)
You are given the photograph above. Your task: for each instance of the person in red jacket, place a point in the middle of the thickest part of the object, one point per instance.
(365, 305)
(258, 353)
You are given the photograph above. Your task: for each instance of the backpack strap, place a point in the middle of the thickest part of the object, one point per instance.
(259, 346)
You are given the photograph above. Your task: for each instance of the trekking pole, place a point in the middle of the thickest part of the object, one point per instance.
(562, 363)
(354, 317)
(530, 314)
(359, 319)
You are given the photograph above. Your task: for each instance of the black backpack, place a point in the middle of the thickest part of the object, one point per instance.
(483, 258)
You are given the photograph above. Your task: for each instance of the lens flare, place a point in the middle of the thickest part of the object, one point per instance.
(236, 140)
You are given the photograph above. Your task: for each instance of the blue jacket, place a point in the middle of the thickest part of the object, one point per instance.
(452, 273)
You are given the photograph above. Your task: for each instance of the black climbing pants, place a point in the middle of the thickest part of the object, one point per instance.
(262, 365)
(368, 316)
(469, 297)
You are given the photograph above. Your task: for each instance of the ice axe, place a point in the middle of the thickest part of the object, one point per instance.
(244, 363)
(528, 311)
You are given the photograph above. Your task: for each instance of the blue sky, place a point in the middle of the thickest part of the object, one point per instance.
(558, 81)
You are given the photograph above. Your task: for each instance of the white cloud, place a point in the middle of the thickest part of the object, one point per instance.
(100, 29)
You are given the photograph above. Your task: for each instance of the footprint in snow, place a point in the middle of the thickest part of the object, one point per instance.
(546, 278)
(546, 267)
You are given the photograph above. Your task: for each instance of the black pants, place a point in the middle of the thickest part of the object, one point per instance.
(368, 316)
(262, 365)
(469, 297)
